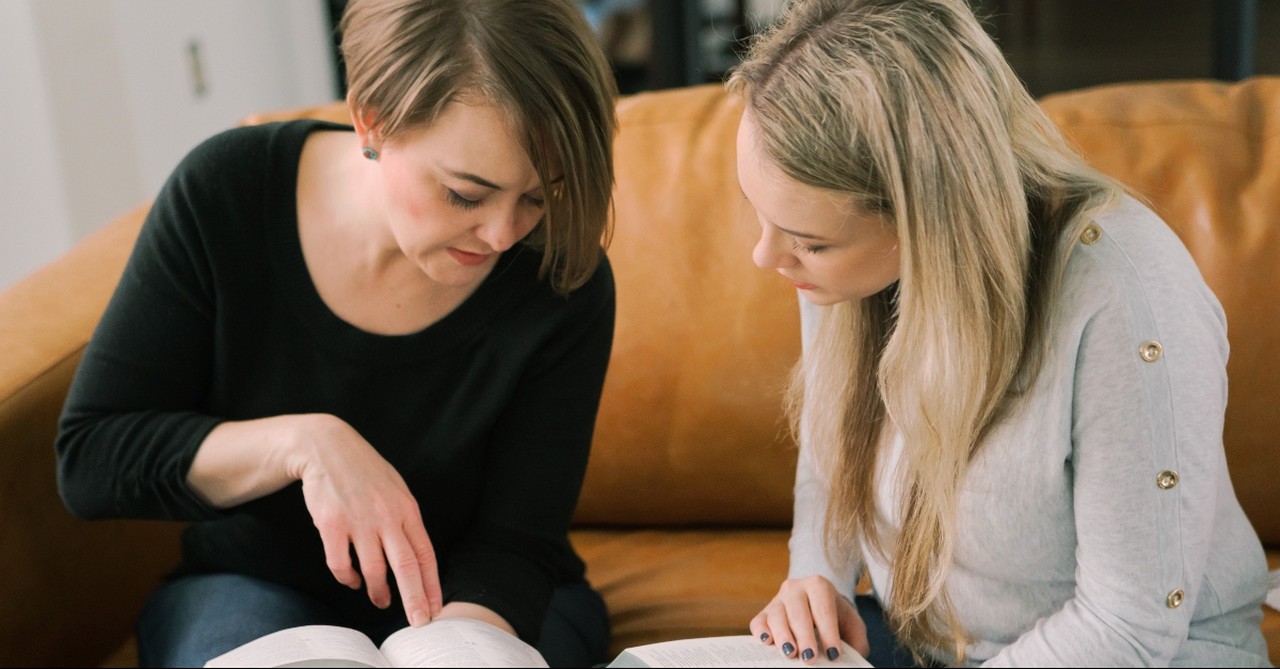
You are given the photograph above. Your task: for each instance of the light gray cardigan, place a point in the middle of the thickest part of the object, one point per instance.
(1097, 525)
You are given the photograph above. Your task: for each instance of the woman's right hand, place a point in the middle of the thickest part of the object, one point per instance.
(806, 606)
(356, 498)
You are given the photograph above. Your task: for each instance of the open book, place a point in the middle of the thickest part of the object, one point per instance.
(725, 651)
(451, 642)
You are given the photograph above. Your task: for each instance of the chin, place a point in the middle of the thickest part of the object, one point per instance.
(822, 298)
(449, 273)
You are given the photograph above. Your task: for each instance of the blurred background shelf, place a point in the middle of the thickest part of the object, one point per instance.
(1054, 45)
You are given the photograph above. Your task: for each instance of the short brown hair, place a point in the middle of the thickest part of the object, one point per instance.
(538, 59)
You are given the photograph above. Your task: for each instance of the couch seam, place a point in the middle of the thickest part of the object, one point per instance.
(44, 371)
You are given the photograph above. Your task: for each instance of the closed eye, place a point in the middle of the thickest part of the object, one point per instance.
(806, 248)
(461, 202)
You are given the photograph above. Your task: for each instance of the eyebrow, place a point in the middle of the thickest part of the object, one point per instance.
(793, 233)
(801, 235)
(474, 179)
(467, 176)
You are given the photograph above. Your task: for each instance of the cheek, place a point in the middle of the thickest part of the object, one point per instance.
(409, 201)
(859, 275)
(529, 221)
(880, 268)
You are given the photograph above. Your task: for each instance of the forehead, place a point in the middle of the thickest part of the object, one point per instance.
(463, 123)
(781, 200)
(472, 136)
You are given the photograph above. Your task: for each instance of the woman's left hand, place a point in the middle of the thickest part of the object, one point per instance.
(806, 612)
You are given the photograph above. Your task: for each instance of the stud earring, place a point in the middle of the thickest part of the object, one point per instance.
(370, 153)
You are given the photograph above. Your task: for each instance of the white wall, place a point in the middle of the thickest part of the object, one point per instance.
(33, 213)
(101, 99)
(254, 55)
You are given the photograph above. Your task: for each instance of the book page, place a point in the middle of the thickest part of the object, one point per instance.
(725, 651)
(458, 642)
(306, 646)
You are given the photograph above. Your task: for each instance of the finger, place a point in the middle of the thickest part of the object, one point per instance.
(760, 627)
(374, 567)
(425, 558)
(853, 629)
(826, 618)
(780, 629)
(800, 617)
(408, 578)
(413, 559)
(337, 556)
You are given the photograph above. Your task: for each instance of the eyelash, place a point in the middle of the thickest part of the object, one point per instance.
(804, 248)
(463, 203)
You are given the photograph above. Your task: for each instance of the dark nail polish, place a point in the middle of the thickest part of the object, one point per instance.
(788, 649)
(807, 654)
(764, 636)
(833, 653)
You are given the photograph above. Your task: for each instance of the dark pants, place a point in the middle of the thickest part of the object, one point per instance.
(885, 649)
(193, 619)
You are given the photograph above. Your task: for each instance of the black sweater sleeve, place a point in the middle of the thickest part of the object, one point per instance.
(132, 421)
(514, 553)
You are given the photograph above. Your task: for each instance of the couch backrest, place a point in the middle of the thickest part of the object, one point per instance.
(690, 427)
(691, 430)
(1206, 155)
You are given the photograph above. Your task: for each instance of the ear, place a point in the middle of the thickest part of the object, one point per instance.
(363, 121)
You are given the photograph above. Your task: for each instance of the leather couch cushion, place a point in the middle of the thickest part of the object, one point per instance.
(664, 584)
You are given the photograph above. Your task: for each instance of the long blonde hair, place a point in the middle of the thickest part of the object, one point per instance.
(408, 59)
(909, 106)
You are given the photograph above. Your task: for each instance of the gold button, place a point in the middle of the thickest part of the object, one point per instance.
(1091, 233)
(1174, 600)
(1151, 350)
(1167, 479)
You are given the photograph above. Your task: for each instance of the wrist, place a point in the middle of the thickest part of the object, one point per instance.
(298, 434)
(475, 612)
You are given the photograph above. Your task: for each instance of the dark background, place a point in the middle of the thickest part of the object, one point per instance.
(1054, 45)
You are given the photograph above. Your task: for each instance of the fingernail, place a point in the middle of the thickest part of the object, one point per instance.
(418, 618)
(833, 653)
(787, 648)
(807, 654)
(764, 636)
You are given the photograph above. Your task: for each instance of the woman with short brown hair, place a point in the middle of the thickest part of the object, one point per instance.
(363, 361)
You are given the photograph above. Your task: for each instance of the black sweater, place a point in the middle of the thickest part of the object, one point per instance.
(487, 414)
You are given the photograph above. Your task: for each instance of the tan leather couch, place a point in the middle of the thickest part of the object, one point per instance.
(683, 520)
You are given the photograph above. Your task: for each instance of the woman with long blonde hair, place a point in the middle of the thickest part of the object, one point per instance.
(1011, 398)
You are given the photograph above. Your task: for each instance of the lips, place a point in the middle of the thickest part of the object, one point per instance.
(799, 285)
(467, 258)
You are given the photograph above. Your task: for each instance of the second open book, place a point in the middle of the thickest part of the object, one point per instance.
(724, 651)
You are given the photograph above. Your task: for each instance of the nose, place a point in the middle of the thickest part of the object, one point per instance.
(502, 231)
(771, 252)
